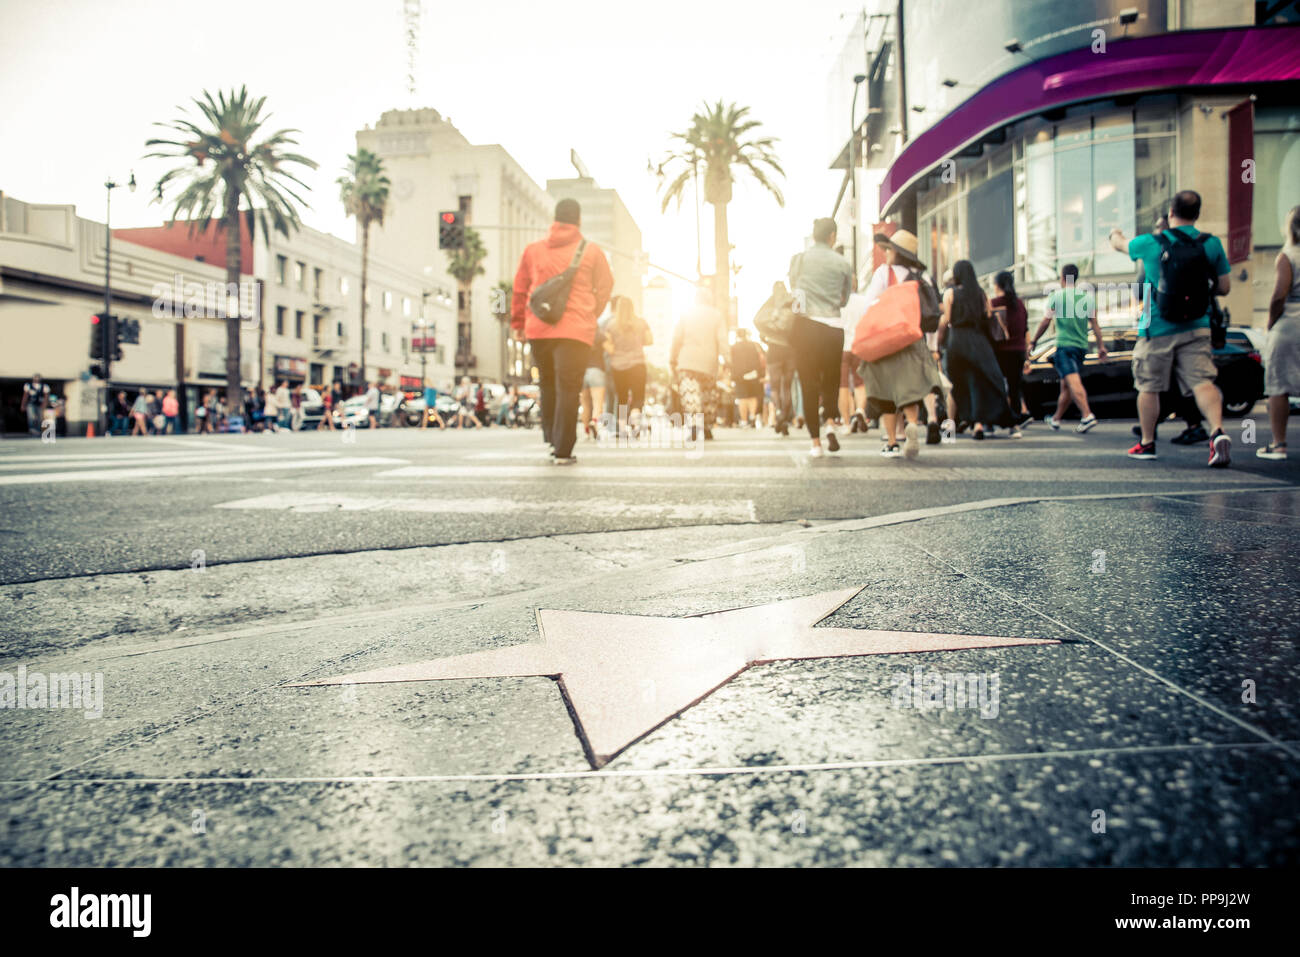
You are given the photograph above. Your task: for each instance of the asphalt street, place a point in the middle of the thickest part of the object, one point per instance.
(1147, 712)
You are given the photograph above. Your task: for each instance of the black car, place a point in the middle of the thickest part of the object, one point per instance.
(1110, 383)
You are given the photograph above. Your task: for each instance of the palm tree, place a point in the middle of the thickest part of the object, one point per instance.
(720, 138)
(241, 172)
(364, 191)
(465, 264)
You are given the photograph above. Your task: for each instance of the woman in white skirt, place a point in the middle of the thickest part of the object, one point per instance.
(1282, 348)
(899, 383)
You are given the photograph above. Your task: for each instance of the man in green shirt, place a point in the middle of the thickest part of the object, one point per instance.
(1073, 309)
(1165, 347)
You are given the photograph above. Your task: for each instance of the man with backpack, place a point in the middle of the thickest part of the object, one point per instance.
(1188, 268)
(568, 279)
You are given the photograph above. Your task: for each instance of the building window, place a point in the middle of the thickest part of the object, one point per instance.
(466, 207)
(279, 320)
(281, 264)
(343, 285)
(297, 324)
(406, 306)
(318, 277)
(388, 301)
(338, 329)
(300, 275)
(1277, 169)
(383, 339)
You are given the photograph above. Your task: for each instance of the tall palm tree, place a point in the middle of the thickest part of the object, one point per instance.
(241, 172)
(720, 139)
(364, 191)
(465, 264)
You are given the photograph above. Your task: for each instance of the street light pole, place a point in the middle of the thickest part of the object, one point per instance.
(853, 168)
(109, 186)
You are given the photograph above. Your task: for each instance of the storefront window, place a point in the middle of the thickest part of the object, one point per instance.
(1074, 219)
(1040, 214)
(1113, 203)
(1277, 170)
(1153, 179)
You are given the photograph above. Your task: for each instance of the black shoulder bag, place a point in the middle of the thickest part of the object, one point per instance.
(550, 299)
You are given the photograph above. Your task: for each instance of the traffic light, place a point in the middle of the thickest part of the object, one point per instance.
(97, 326)
(112, 348)
(451, 229)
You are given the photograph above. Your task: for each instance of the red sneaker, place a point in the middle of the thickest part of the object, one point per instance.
(1141, 451)
(1220, 450)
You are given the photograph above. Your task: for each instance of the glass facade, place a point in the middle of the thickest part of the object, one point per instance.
(1277, 171)
(1052, 193)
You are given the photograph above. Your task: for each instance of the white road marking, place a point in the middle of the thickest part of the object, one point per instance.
(192, 470)
(730, 511)
(21, 462)
(687, 470)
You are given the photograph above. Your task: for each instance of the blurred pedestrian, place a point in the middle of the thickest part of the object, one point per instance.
(561, 344)
(747, 371)
(898, 383)
(1282, 348)
(979, 390)
(36, 398)
(821, 280)
(699, 341)
(1011, 351)
(171, 410)
(628, 335)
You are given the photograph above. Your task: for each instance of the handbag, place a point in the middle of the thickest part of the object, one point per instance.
(891, 323)
(997, 326)
(549, 300)
(775, 320)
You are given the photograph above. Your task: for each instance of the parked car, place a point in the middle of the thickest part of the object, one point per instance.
(352, 413)
(1110, 383)
(313, 409)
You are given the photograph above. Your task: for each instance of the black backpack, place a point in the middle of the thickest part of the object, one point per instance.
(929, 301)
(551, 298)
(1186, 277)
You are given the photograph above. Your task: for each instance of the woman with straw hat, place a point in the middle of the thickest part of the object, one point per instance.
(899, 382)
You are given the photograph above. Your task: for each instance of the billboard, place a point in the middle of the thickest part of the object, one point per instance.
(953, 48)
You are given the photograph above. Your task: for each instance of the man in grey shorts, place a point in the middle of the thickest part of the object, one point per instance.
(1181, 348)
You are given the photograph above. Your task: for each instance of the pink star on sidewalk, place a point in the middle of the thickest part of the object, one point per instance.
(625, 675)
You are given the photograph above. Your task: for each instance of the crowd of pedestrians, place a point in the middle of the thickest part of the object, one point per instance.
(960, 370)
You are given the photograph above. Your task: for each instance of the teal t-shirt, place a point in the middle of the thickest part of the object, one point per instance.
(1073, 309)
(1147, 250)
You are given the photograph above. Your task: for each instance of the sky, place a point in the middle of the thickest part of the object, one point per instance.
(82, 82)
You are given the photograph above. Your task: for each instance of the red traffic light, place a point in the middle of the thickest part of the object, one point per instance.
(94, 320)
(449, 218)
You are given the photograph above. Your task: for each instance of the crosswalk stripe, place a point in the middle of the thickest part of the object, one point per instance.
(687, 470)
(191, 470)
(25, 462)
(736, 510)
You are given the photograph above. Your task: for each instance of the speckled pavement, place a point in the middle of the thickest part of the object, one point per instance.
(1163, 727)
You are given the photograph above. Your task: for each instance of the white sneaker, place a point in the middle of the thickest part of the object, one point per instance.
(911, 441)
(1054, 423)
(815, 452)
(1085, 424)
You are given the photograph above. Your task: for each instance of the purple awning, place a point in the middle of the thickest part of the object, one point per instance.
(1168, 61)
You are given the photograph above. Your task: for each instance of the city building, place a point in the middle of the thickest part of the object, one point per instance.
(1017, 134)
(606, 221)
(52, 283)
(433, 167)
(310, 294)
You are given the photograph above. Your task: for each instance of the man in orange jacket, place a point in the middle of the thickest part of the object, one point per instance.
(561, 351)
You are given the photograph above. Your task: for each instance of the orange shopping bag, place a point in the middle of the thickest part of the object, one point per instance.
(892, 323)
